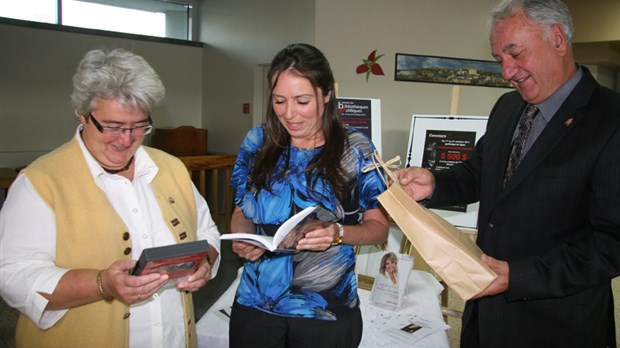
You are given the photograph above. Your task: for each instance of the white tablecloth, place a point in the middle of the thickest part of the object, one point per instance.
(382, 327)
(422, 302)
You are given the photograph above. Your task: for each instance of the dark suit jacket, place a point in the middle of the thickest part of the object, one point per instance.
(557, 222)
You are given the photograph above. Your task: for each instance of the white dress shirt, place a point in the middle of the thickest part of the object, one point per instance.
(28, 244)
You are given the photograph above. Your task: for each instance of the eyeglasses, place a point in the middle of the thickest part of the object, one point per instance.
(116, 131)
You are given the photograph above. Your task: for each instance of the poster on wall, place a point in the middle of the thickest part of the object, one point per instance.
(364, 115)
(437, 142)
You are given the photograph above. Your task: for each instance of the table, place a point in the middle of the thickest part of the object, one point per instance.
(383, 328)
(422, 301)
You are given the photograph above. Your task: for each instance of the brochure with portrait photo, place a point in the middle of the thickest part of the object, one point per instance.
(390, 285)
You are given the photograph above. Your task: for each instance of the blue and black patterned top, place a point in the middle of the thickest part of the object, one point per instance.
(308, 284)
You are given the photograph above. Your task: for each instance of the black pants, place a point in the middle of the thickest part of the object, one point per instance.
(470, 337)
(250, 327)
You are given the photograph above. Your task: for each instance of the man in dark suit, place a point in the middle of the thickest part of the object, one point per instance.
(549, 191)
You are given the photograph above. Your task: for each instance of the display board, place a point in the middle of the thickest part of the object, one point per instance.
(364, 115)
(438, 142)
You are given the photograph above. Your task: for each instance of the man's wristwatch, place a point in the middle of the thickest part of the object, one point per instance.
(338, 240)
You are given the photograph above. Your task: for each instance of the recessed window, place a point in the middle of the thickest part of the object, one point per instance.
(96, 16)
(144, 17)
(44, 11)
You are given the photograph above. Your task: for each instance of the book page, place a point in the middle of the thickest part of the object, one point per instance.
(265, 242)
(296, 227)
(290, 232)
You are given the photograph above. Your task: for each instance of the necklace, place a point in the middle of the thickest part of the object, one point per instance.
(116, 171)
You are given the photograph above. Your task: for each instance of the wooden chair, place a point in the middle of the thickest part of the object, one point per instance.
(181, 141)
(201, 165)
(190, 145)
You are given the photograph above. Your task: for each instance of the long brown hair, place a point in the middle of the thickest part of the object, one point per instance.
(309, 62)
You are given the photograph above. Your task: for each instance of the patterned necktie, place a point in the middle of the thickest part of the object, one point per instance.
(517, 153)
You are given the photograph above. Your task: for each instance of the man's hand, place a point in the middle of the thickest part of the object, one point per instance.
(419, 183)
(501, 283)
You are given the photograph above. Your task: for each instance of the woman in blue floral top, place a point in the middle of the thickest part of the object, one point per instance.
(303, 156)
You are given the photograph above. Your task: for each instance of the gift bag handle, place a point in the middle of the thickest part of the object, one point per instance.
(377, 162)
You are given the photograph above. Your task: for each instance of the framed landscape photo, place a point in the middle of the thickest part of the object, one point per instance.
(454, 71)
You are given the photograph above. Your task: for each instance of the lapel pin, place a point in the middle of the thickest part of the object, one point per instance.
(568, 122)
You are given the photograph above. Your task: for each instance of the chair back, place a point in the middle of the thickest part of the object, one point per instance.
(181, 141)
(211, 165)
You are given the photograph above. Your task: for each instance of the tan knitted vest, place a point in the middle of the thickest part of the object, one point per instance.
(89, 234)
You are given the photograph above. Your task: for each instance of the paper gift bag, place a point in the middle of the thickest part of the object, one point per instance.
(448, 251)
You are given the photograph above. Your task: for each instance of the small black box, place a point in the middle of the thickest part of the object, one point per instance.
(176, 260)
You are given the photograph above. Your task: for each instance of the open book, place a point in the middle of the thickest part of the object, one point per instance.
(290, 232)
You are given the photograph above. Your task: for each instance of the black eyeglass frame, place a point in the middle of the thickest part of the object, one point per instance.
(147, 129)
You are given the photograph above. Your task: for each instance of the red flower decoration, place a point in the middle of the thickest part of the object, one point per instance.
(370, 65)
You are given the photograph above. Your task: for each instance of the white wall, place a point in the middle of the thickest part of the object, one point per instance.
(36, 68)
(208, 86)
(348, 30)
(604, 76)
(595, 20)
(241, 35)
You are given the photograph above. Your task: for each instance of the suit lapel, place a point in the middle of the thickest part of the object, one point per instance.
(565, 119)
(506, 118)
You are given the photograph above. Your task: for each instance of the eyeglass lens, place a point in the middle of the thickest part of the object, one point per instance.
(142, 130)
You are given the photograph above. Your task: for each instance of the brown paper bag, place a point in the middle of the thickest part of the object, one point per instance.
(449, 252)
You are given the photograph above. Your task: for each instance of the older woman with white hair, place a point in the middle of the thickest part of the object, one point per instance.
(76, 219)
